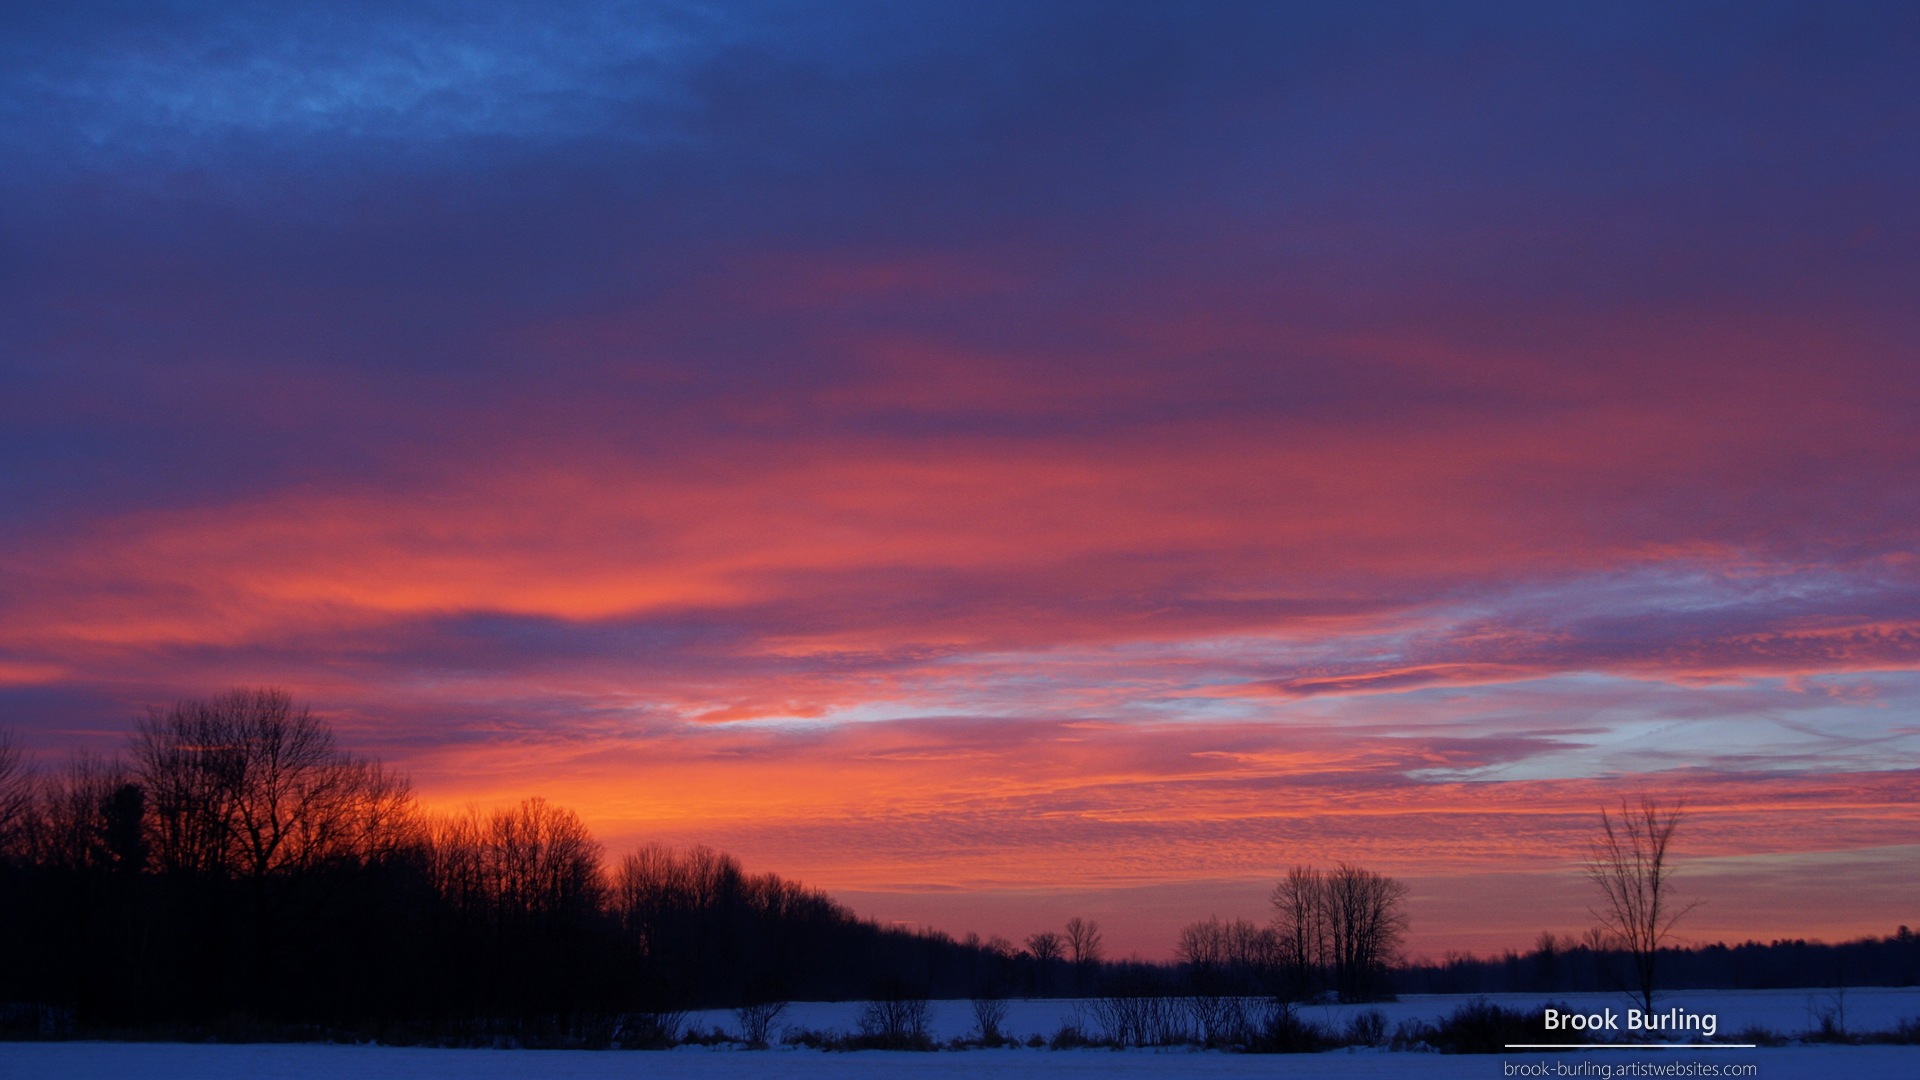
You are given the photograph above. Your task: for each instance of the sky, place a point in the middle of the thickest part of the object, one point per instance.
(1001, 462)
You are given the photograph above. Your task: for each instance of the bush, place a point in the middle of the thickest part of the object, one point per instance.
(1829, 1014)
(1140, 1021)
(1481, 1027)
(1282, 1031)
(1367, 1028)
(648, 1030)
(812, 1040)
(1761, 1036)
(757, 1020)
(988, 1015)
(1905, 1033)
(1070, 1037)
(1219, 1020)
(1412, 1035)
(895, 1021)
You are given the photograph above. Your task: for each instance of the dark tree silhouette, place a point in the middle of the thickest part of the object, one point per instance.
(246, 783)
(87, 816)
(249, 788)
(1342, 925)
(1300, 932)
(1083, 941)
(1365, 923)
(1046, 946)
(15, 793)
(1228, 956)
(1629, 864)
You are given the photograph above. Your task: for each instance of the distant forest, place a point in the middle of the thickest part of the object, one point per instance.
(236, 867)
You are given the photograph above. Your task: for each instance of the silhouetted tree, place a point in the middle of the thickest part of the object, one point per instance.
(1628, 863)
(1083, 948)
(15, 795)
(1227, 956)
(1546, 961)
(248, 786)
(1045, 946)
(1083, 940)
(1365, 923)
(1344, 924)
(242, 867)
(83, 816)
(541, 862)
(1300, 930)
(524, 884)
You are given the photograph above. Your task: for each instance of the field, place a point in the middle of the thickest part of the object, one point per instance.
(1789, 1012)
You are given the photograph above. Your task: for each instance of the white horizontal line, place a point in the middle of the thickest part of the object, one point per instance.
(1632, 1046)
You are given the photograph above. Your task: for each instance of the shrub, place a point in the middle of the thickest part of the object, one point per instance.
(1219, 1020)
(1481, 1027)
(1069, 1037)
(1829, 1015)
(988, 1015)
(1905, 1033)
(1140, 1021)
(895, 1021)
(757, 1020)
(811, 1039)
(648, 1030)
(1412, 1035)
(1282, 1030)
(1367, 1028)
(1761, 1036)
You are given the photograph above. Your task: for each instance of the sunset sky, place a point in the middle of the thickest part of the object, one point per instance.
(1001, 462)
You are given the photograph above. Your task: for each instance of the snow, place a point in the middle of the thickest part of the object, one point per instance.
(1786, 1011)
(178, 1061)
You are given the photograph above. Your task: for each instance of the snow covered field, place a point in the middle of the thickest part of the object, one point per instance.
(1786, 1011)
(175, 1061)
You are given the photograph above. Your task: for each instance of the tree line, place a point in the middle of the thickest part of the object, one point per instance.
(235, 861)
(1561, 964)
(238, 862)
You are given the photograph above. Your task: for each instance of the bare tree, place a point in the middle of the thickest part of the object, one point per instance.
(1344, 924)
(1546, 959)
(1045, 946)
(527, 862)
(989, 1013)
(896, 1018)
(756, 1021)
(1083, 941)
(16, 794)
(1225, 962)
(87, 816)
(542, 861)
(1233, 955)
(1300, 929)
(248, 784)
(1629, 864)
(1365, 923)
(1595, 939)
(1083, 948)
